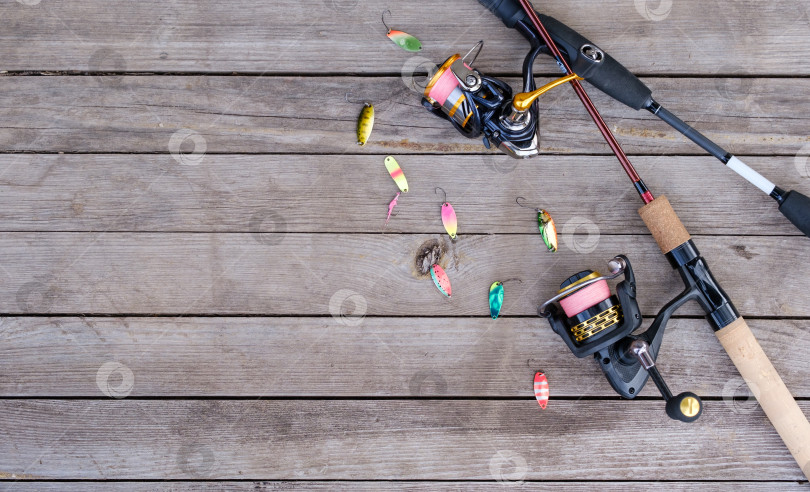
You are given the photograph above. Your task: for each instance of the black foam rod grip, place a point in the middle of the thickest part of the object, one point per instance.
(509, 11)
(606, 74)
(796, 207)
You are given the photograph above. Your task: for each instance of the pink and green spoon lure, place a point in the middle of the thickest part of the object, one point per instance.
(402, 39)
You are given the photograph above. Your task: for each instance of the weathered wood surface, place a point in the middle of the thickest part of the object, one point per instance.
(347, 357)
(289, 274)
(311, 116)
(693, 36)
(262, 486)
(399, 439)
(345, 193)
(349, 369)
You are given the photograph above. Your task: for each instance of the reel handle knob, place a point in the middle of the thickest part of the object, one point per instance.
(685, 407)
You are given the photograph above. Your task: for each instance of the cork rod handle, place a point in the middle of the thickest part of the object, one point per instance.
(743, 348)
(769, 389)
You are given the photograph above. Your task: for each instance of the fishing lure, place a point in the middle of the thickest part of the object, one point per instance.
(402, 39)
(391, 207)
(448, 216)
(396, 172)
(541, 389)
(441, 280)
(548, 230)
(495, 299)
(364, 123)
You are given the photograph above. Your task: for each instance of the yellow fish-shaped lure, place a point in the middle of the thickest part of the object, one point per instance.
(364, 124)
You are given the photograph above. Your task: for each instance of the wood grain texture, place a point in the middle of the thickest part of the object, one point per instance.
(694, 36)
(346, 357)
(352, 372)
(341, 193)
(306, 115)
(397, 439)
(262, 486)
(300, 274)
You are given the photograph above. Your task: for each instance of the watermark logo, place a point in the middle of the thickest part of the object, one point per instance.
(508, 467)
(35, 297)
(115, 380)
(581, 235)
(187, 147)
(268, 227)
(427, 383)
(416, 73)
(341, 5)
(107, 60)
(739, 396)
(196, 460)
(348, 307)
(802, 161)
(652, 12)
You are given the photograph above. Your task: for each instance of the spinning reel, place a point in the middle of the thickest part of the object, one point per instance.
(477, 105)
(592, 321)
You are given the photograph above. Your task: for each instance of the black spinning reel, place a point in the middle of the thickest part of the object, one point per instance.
(593, 321)
(479, 105)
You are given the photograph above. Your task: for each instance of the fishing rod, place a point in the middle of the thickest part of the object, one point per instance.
(591, 320)
(701, 286)
(608, 75)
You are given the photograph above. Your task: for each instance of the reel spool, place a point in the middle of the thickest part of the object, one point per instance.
(593, 321)
(585, 313)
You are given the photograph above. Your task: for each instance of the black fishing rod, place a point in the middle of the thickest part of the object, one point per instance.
(602, 71)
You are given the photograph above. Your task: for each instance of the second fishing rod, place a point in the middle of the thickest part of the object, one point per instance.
(605, 73)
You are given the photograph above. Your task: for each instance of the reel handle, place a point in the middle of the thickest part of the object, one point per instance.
(685, 407)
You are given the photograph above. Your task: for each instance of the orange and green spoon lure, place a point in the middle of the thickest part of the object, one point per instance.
(402, 39)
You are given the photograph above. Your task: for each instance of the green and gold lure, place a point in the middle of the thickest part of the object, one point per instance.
(402, 39)
(548, 230)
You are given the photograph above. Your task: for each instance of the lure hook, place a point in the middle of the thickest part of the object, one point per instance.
(383, 19)
(445, 193)
(355, 102)
(518, 199)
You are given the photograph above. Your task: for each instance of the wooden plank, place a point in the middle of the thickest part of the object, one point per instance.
(278, 273)
(261, 486)
(372, 357)
(392, 439)
(311, 115)
(693, 36)
(339, 193)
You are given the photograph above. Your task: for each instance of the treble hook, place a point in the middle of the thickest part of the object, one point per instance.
(445, 193)
(383, 19)
(518, 199)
